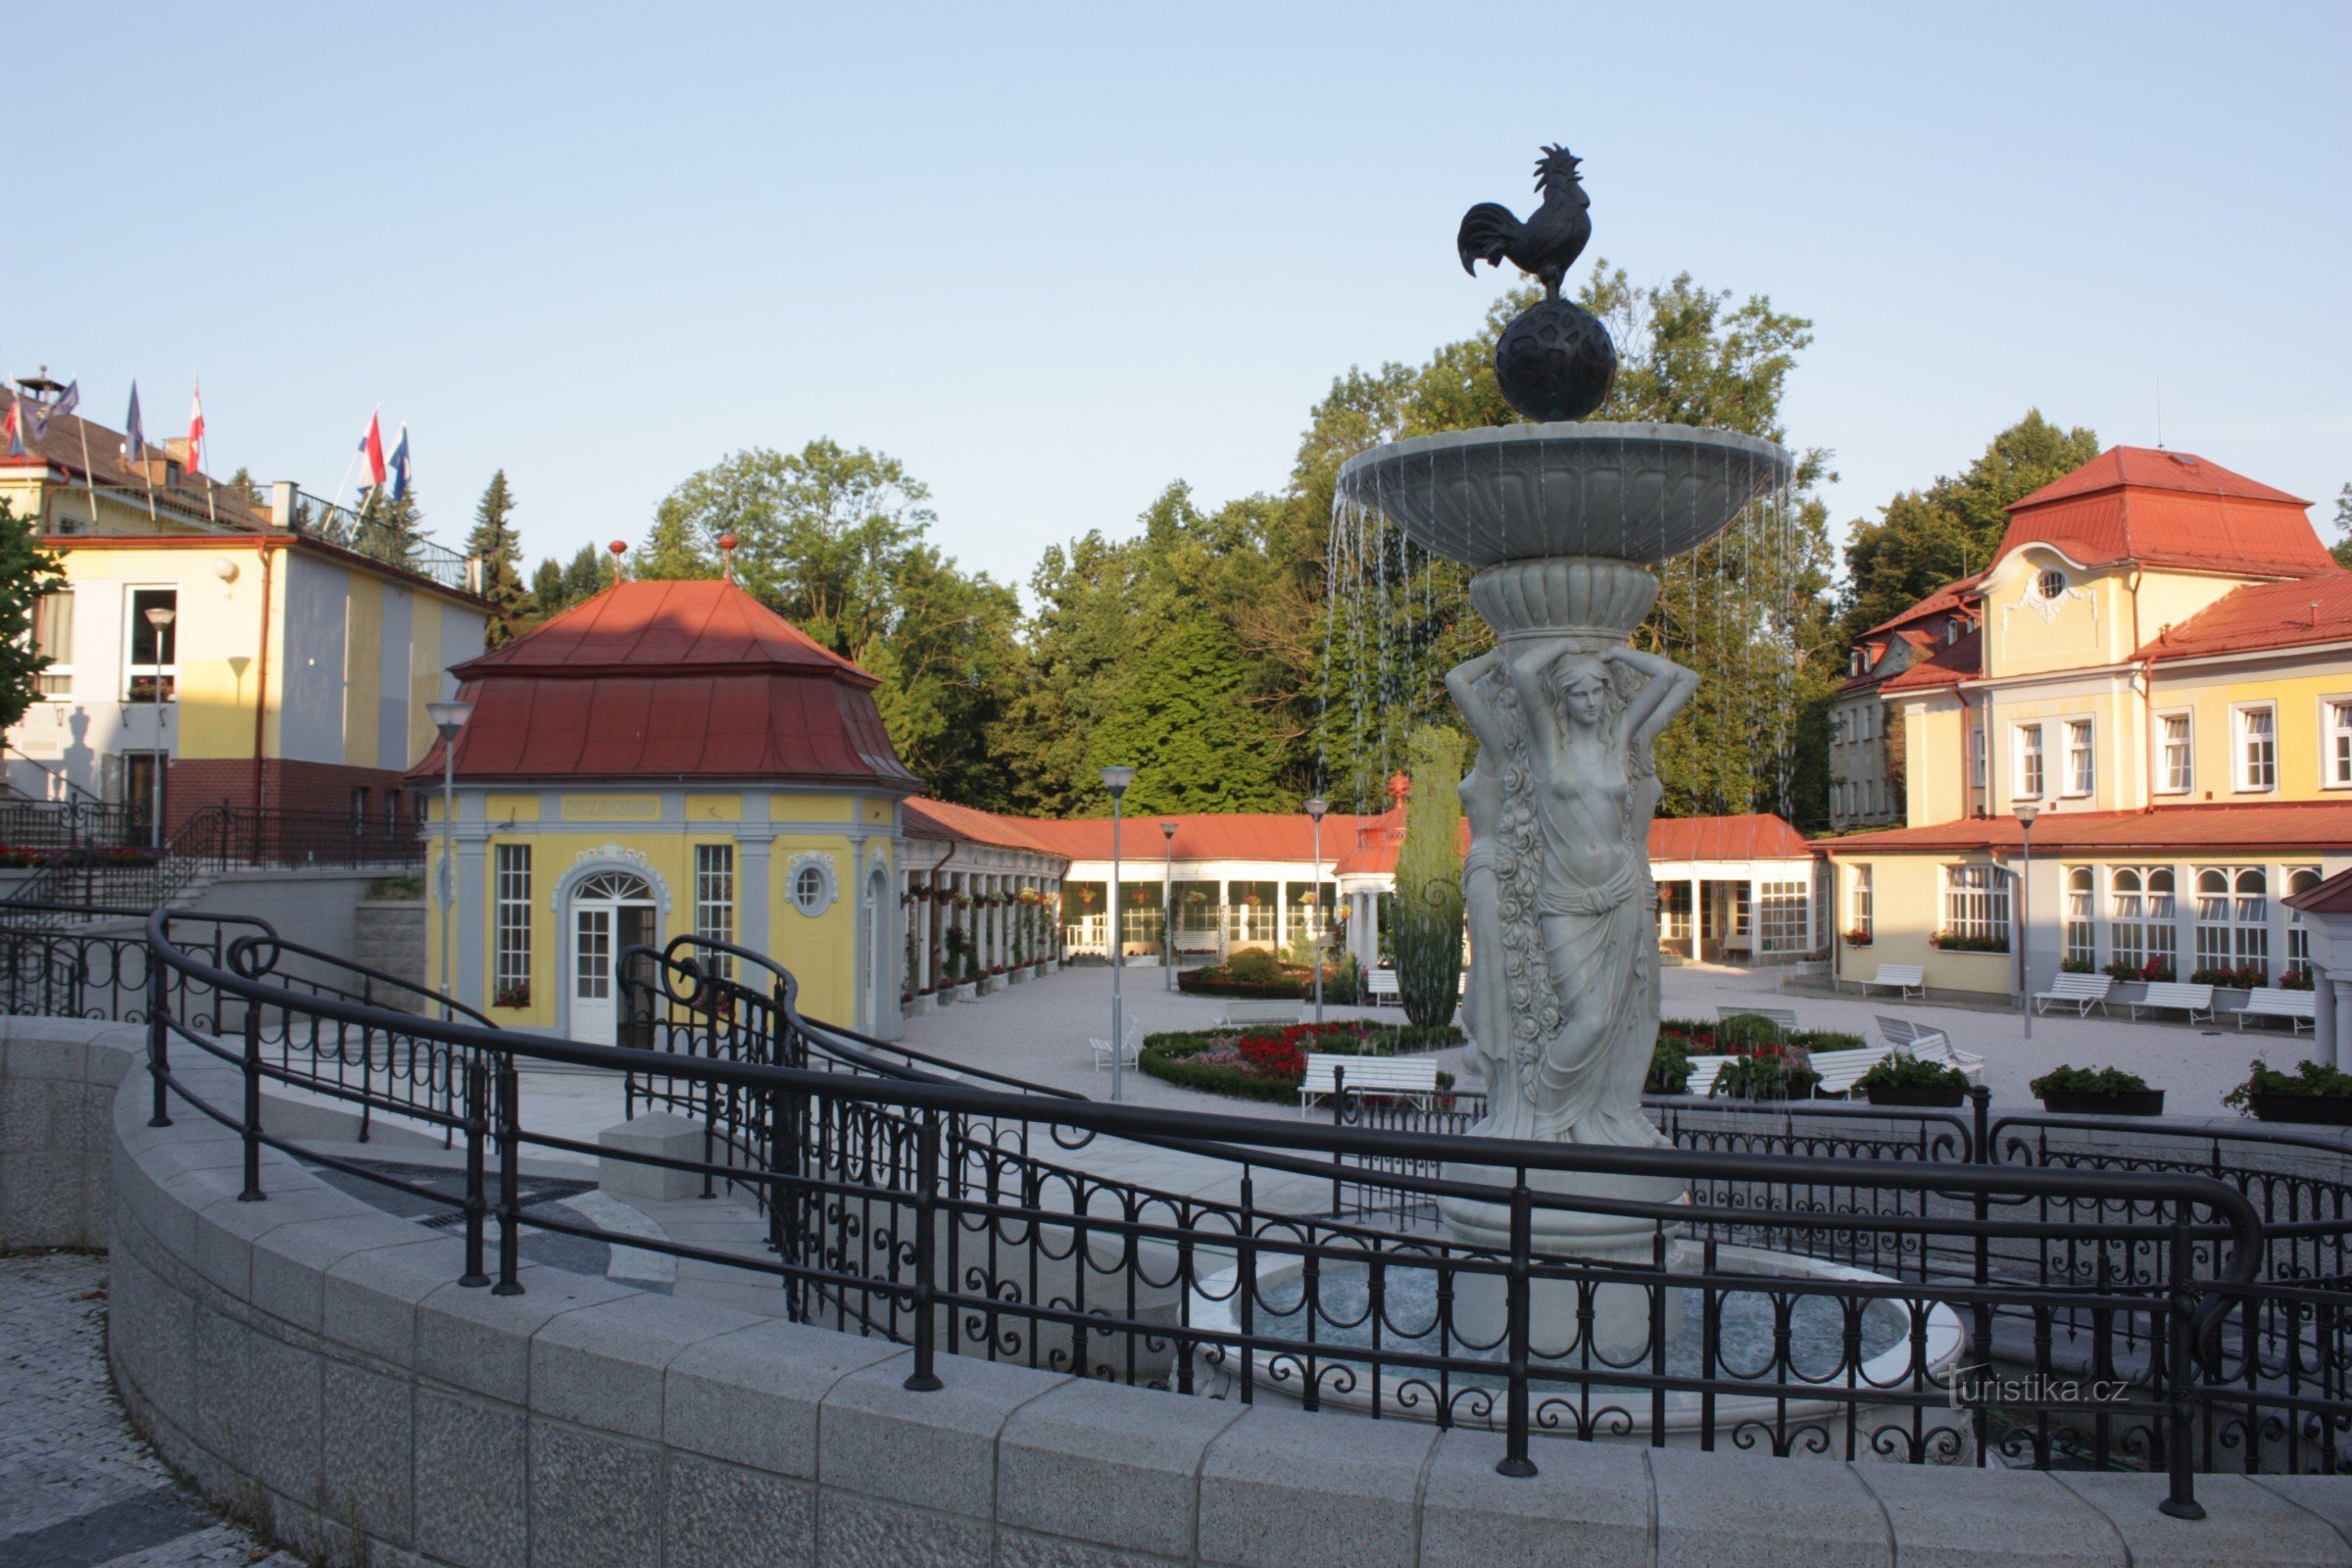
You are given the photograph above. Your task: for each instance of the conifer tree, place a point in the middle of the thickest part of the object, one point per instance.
(389, 529)
(495, 544)
(1428, 940)
(27, 572)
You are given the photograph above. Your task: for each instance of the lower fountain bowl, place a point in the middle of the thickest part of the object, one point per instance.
(1903, 1347)
(1523, 492)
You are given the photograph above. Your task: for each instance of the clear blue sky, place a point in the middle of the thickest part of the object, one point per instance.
(1053, 259)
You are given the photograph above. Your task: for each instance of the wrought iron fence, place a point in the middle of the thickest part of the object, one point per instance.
(358, 533)
(69, 825)
(983, 1218)
(223, 838)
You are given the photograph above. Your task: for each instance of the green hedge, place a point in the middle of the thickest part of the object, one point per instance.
(1166, 1057)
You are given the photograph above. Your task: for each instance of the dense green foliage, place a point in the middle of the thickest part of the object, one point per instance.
(1429, 881)
(389, 529)
(2067, 1080)
(27, 572)
(2308, 1078)
(495, 544)
(1270, 1066)
(1897, 1070)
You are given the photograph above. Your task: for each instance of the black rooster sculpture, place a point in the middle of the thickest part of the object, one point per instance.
(1555, 361)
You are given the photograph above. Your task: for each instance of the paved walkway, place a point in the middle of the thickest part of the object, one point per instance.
(77, 1487)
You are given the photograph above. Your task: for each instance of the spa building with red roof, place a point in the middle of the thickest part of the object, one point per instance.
(2157, 669)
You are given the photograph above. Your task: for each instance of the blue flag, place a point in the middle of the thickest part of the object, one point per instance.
(134, 439)
(42, 412)
(400, 464)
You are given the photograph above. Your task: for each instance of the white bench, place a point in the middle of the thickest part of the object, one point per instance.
(1703, 1072)
(1414, 1077)
(1841, 1071)
(1905, 978)
(2083, 990)
(2189, 998)
(1260, 1014)
(1381, 986)
(1127, 1056)
(2299, 1007)
(1929, 1044)
(1782, 1018)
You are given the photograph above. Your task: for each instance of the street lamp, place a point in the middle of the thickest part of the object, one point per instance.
(448, 717)
(159, 616)
(1116, 780)
(2026, 811)
(1167, 907)
(1315, 808)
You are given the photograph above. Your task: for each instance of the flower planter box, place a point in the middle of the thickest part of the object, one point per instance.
(1015, 977)
(2325, 1111)
(969, 991)
(2229, 999)
(1928, 1094)
(2082, 1103)
(2128, 993)
(989, 984)
(915, 1006)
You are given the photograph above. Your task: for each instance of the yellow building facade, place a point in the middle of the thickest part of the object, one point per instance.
(2156, 668)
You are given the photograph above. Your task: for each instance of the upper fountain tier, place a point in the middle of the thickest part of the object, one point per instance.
(1526, 492)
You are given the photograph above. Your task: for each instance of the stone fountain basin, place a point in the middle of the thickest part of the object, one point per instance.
(1402, 1394)
(1524, 491)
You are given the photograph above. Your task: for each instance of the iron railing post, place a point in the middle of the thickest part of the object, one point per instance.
(2179, 1349)
(1339, 1118)
(252, 1128)
(925, 1377)
(1518, 1286)
(157, 1059)
(510, 1210)
(1980, 1315)
(478, 1130)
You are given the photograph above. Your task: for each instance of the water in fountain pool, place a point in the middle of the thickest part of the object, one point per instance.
(1747, 1344)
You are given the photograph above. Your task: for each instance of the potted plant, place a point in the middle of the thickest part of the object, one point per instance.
(1768, 1072)
(518, 994)
(1954, 941)
(2310, 1094)
(1905, 1080)
(2096, 1092)
(1858, 936)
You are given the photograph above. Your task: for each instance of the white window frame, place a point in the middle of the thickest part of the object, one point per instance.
(132, 620)
(2335, 737)
(2298, 879)
(1976, 902)
(715, 898)
(1857, 902)
(2079, 930)
(55, 684)
(1976, 756)
(1784, 916)
(511, 919)
(2032, 749)
(2082, 784)
(2160, 766)
(2241, 773)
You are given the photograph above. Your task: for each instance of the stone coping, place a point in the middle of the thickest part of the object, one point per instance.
(309, 1363)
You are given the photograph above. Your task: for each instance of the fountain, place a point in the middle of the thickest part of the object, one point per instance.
(1562, 522)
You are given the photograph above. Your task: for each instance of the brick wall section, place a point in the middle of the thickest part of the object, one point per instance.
(287, 786)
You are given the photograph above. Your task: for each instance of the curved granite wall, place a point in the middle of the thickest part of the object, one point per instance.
(309, 1364)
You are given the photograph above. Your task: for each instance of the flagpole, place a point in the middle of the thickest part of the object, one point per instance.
(146, 474)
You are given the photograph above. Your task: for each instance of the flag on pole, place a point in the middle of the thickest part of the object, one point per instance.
(42, 412)
(196, 431)
(400, 464)
(134, 434)
(371, 449)
(15, 428)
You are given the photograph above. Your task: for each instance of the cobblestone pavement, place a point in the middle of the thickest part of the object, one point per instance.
(78, 1487)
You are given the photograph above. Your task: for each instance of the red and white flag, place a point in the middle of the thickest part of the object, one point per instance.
(196, 429)
(371, 448)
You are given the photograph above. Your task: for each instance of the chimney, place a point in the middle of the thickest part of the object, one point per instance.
(282, 504)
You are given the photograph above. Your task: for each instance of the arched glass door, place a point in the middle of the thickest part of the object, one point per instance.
(612, 911)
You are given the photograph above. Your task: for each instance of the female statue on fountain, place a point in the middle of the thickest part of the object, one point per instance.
(1563, 910)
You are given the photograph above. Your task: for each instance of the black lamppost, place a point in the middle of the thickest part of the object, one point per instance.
(1116, 780)
(1315, 808)
(2026, 811)
(1167, 908)
(448, 717)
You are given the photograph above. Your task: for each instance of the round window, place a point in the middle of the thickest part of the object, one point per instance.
(810, 886)
(2052, 583)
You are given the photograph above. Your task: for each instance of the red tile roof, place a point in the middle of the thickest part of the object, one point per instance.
(68, 436)
(1233, 836)
(927, 818)
(1760, 836)
(2171, 509)
(1949, 665)
(2332, 896)
(2271, 614)
(663, 680)
(707, 625)
(2301, 827)
(1952, 596)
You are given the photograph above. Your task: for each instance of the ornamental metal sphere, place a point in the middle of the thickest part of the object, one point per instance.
(1555, 361)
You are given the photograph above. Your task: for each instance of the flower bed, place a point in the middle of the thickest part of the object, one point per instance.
(1270, 1065)
(20, 858)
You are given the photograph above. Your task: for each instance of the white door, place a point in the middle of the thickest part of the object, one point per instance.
(610, 912)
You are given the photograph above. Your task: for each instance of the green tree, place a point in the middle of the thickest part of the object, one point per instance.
(388, 529)
(1926, 538)
(2343, 526)
(558, 585)
(834, 539)
(242, 482)
(1428, 940)
(27, 573)
(495, 544)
